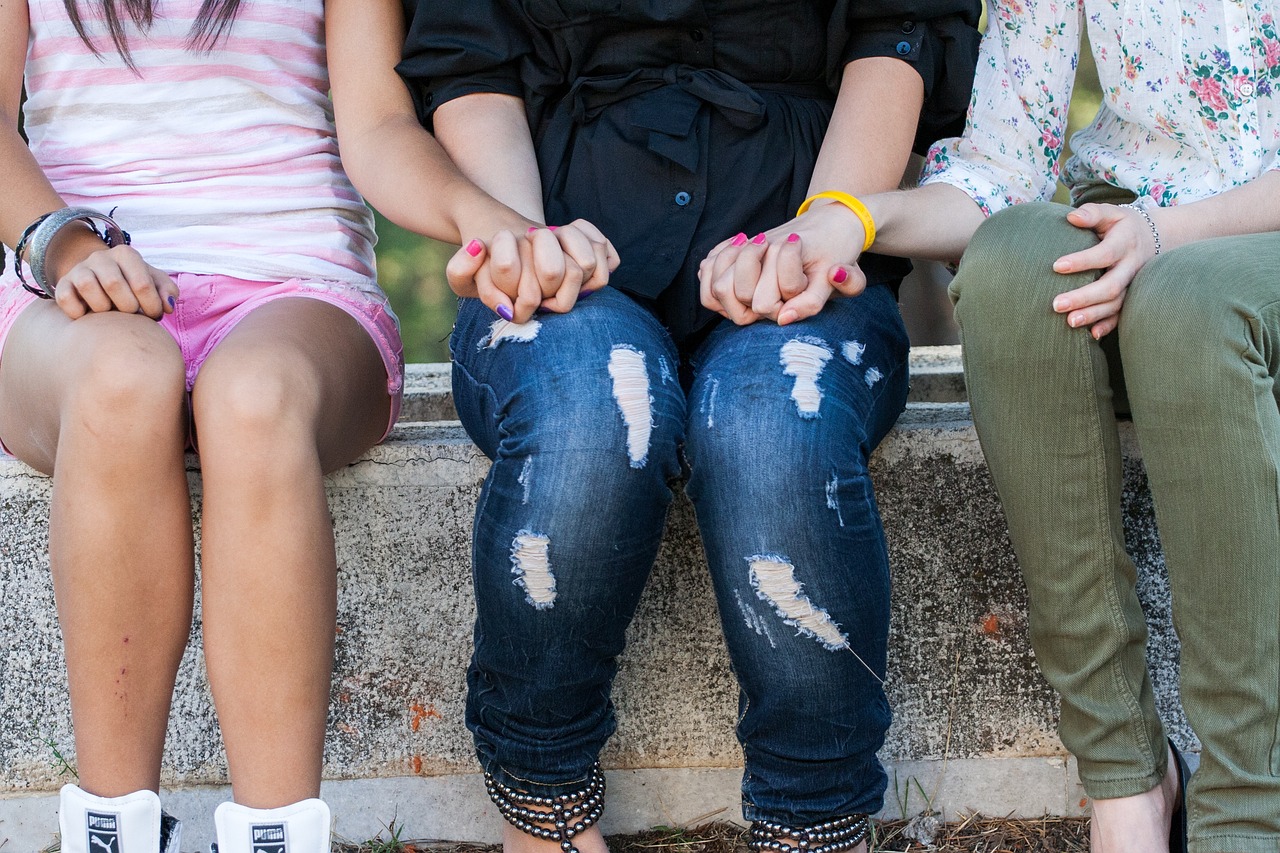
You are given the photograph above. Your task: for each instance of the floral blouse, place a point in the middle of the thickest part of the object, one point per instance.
(1190, 100)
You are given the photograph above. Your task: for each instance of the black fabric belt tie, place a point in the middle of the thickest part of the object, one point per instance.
(667, 102)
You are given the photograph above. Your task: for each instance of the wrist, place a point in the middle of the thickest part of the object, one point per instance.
(854, 205)
(73, 244)
(843, 232)
(487, 217)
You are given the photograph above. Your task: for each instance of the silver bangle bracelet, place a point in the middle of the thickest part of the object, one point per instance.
(1155, 232)
(46, 228)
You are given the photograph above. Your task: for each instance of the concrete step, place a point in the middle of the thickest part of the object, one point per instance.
(974, 722)
(936, 377)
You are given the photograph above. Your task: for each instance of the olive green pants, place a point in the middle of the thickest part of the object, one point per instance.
(1198, 352)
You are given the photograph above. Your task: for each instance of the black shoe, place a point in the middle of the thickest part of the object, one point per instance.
(1178, 824)
(170, 833)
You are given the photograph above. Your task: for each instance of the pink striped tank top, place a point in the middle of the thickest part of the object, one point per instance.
(217, 162)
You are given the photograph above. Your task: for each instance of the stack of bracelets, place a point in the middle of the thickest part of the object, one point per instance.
(569, 815)
(834, 836)
(39, 234)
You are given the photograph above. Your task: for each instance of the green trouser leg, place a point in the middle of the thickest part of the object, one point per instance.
(1200, 345)
(1042, 404)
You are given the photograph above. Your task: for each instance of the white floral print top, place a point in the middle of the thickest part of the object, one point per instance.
(1190, 100)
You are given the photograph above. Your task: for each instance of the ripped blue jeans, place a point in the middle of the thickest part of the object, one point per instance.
(589, 429)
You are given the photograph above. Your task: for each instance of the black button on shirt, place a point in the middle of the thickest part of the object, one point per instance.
(719, 107)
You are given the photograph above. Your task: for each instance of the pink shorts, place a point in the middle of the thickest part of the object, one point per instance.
(210, 306)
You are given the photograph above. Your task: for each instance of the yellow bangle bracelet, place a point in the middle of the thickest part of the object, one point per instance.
(859, 210)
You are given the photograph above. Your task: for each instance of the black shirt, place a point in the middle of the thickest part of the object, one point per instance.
(673, 124)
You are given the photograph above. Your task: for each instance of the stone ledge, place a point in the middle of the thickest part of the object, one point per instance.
(936, 377)
(961, 679)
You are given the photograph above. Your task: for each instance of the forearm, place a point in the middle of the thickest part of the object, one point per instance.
(1250, 209)
(395, 163)
(866, 151)
(28, 196)
(424, 191)
(868, 142)
(487, 136)
(933, 222)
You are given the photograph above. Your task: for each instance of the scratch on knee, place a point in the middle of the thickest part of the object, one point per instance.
(531, 564)
(805, 358)
(753, 620)
(708, 407)
(853, 351)
(774, 580)
(873, 376)
(503, 330)
(525, 480)
(664, 369)
(833, 497)
(631, 390)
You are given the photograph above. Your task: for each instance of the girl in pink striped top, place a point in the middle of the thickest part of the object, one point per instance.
(243, 321)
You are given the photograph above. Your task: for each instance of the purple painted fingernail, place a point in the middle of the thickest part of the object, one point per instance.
(505, 313)
(793, 238)
(584, 294)
(740, 240)
(173, 302)
(759, 238)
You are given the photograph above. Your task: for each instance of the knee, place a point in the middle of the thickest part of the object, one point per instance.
(1007, 270)
(269, 406)
(130, 386)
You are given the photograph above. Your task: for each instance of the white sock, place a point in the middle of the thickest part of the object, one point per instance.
(128, 824)
(300, 828)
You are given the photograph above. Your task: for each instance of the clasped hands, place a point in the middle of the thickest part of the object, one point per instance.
(784, 275)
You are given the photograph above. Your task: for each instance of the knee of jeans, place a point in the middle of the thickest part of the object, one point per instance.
(1008, 266)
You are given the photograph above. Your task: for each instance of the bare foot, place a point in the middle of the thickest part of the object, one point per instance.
(1137, 824)
(589, 841)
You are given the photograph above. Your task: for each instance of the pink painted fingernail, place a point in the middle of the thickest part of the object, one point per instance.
(739, 240)
(759, 238)
(532, 228)
(840, 275)
(793, 238)
(474, 248)
(552, 227)
(504, 312)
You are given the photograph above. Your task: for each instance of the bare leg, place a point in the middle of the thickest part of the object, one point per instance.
(99, 403)
(297, 389)
(1137, 824)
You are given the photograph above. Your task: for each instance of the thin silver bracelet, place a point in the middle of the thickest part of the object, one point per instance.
(1155, 232)
(42, 232)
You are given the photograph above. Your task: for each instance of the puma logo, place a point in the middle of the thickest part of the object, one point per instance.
(104, 831)
(269, 838)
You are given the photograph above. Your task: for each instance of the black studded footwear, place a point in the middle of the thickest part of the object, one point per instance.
(833, 836)
(558, 818)
(1178, 825)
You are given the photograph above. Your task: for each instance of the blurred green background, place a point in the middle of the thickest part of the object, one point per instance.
(411, 268)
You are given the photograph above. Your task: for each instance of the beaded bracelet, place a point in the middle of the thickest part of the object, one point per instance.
(1151, 223)
(40, 234)
(859, 210)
